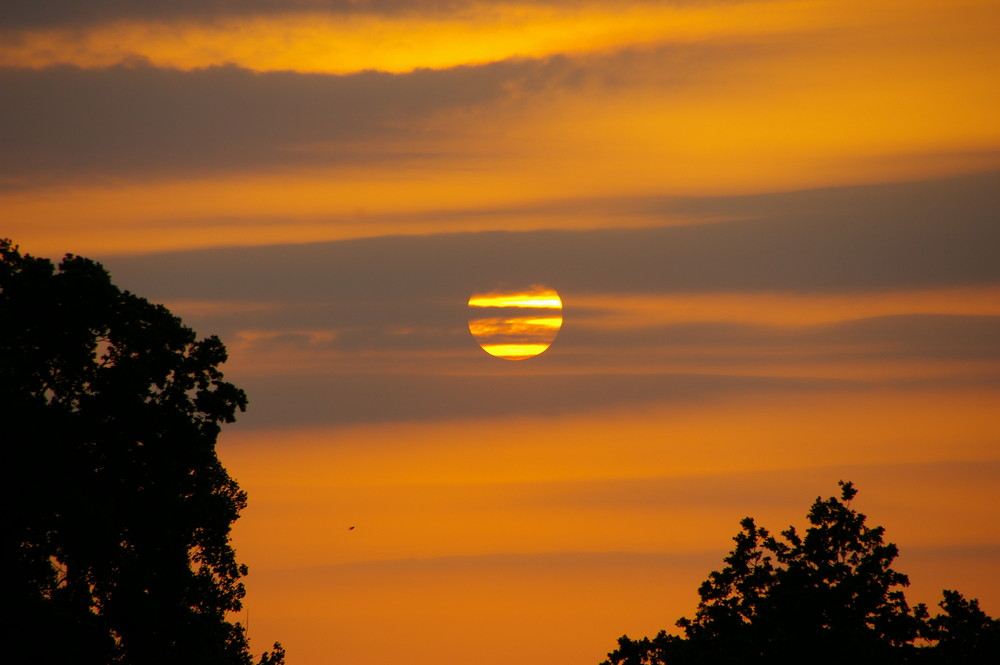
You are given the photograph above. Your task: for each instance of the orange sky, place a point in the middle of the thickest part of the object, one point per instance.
(771, 224)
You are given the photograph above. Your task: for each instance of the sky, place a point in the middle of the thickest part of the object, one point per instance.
(772, 225)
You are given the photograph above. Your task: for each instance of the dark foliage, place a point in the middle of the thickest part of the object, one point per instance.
(826, 596)
(117, 511)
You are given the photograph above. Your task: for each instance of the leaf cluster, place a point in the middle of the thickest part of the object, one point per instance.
(829, 595)
(118, 509)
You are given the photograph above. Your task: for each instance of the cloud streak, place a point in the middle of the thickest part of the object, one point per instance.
(25, 13)
(847, 239)
(395, 39)
(126, 121)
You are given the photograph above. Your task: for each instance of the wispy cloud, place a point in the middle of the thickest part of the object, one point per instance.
(837, 240)
(398, 38)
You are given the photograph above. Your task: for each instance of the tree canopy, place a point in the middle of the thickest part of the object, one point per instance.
(828, 595)
(118, 511)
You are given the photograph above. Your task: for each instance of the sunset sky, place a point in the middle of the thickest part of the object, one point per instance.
(773, 226)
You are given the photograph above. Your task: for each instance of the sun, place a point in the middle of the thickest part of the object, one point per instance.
(515, 325)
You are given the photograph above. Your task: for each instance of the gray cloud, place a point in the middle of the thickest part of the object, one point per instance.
(129, 120)
(27, 13)
(883, 337)
(916, 336)
(135, 120)
(402, 294)
(468, 384)
(31, 13)
(420, 327)
(350, 398)
(916, 235)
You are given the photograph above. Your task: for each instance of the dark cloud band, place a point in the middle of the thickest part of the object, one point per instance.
(916, 235)
(132, 120)
(34, 14)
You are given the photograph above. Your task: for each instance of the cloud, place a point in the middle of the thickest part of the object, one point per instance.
(580, 376)
(907, 236)
(335, 333)
(26, 13)
(136, 120)
(345, 399)
(923, 336)
(129, 120)
(402, 41)
(375, 330)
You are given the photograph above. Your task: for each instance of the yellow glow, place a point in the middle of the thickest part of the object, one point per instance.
(548, 322)
(515, 337)
(534, 299)
(479, 33)
(513, 326)
(514, 351)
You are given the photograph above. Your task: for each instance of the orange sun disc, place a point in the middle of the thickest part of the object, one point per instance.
(515, 325)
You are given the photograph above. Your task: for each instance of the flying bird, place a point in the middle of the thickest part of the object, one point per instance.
(350, 528)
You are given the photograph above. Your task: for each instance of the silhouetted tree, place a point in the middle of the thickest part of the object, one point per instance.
(964, 633)
(115, 540)
(826, 596)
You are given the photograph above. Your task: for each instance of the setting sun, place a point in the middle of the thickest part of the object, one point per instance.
(515, 325)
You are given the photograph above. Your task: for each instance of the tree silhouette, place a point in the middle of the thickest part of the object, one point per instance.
(826, 596)
(117, 510)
